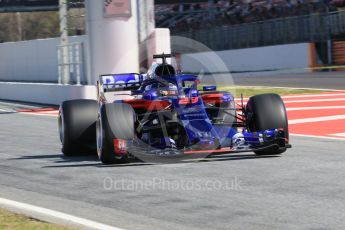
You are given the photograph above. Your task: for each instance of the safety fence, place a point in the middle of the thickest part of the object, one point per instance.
(308, 28)
(70, 63)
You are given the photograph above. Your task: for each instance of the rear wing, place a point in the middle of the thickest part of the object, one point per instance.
(120, 82)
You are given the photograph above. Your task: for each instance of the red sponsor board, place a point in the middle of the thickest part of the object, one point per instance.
(117, 8)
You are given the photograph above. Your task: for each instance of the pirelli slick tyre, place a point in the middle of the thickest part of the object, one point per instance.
(115, 122)
(267, 111)
(77, 126)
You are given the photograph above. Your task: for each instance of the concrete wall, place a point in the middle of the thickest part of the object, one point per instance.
(113, 40)
(36, 61)
(31, 61)
(52, 94)
(280, 57)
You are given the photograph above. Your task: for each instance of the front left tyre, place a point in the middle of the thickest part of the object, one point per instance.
(77, 126)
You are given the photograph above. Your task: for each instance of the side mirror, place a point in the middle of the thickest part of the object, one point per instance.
(209, 88)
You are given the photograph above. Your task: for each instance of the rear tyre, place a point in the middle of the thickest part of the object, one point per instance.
(267, 111)
(77, 126)
(115, 121)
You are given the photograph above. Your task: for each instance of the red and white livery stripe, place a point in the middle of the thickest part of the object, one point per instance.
(318, 115)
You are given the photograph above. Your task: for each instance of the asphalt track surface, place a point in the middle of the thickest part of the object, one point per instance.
(322, 80)
(302, 189)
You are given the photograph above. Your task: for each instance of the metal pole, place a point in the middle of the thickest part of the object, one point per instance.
(59, 65)
(329, 39)
(77, 60)
(211, 10)
(64, 41)
(19, 26)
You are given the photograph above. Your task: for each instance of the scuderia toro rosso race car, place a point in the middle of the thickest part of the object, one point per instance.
(164, 113)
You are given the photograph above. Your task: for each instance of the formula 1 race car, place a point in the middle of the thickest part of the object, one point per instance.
(163, 112)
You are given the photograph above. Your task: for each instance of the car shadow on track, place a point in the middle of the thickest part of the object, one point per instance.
(205, 160)
(231, 157)
(4, 112)
(58, 157)
(62, 161)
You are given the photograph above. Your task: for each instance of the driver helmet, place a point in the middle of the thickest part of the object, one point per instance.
(151, 73)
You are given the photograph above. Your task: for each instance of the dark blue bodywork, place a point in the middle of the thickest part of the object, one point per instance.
(191, 110)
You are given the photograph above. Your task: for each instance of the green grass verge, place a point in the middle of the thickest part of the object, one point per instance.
(11, 221)
(251, 91)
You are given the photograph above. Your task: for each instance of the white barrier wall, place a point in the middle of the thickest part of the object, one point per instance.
(280, 57)
(45, 93)
(31, 61)
(36, 60)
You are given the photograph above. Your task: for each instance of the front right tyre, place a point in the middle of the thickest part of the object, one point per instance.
(267, 111)
(115, 122)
